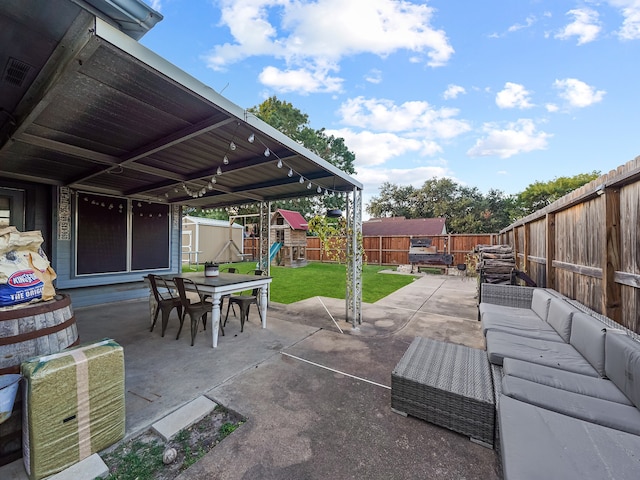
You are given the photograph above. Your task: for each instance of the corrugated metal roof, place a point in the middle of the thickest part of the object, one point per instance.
(295, 220)
(404, 226)
(107, 115)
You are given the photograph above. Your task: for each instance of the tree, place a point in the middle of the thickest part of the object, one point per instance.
(540, 194)
(292, 122)
(394, 201)
(465, 209)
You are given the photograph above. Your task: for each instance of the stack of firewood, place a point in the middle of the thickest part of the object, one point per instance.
(495, 263)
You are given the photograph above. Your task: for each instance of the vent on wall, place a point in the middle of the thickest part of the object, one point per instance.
(16, 72)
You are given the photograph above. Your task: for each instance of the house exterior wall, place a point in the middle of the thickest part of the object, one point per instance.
(99, 288)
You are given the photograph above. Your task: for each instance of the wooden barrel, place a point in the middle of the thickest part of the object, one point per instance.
(29, 331)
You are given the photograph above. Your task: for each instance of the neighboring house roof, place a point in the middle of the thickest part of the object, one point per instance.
(209, 221)
(295, 220)
(404, 226)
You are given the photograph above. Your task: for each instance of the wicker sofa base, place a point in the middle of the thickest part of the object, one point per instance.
(448, 385)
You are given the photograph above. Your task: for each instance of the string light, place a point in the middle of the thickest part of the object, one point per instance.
(320, 189)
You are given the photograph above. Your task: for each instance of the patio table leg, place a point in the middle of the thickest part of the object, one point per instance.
(263, 305)
(215, 318)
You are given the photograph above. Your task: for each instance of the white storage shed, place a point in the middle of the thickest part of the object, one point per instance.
(210, 240)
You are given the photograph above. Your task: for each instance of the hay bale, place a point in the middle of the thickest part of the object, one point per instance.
(73, 406)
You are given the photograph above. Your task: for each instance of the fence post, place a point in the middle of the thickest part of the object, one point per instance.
(550, 251)
(525, 250)
(611, 291)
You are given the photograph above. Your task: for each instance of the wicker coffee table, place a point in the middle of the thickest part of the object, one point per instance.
(446, 384)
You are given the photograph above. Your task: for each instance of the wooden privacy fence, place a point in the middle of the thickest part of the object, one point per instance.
(394, 250)
(586, 245)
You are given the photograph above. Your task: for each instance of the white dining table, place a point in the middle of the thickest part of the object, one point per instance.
(223, 284)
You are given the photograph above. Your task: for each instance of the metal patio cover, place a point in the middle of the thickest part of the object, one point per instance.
(86, 106)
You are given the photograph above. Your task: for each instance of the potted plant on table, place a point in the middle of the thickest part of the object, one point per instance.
(211, 269)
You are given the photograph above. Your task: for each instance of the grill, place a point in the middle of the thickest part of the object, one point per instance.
(421, 252)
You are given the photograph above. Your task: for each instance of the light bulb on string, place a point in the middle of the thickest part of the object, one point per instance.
(251, 138)
(309, 185)
(279, 163)
(290, 174)
(225, 160)
(267, 152)
(219, 171)
(213, 180)
(319, 189)
(301, 179)
(232, 146)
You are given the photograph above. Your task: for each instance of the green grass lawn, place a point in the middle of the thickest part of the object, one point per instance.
(326, 280)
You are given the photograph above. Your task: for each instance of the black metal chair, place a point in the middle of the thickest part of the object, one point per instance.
(165, 302)
(196, 311)
(223, 297)
(244, 302)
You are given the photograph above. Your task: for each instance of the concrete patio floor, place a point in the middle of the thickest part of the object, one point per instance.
(317, 401)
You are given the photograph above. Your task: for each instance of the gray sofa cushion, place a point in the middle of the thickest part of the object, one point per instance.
(541, 444)
(587, 337)
(596, 410)
(492, 308)
(526, 326)
(543, 333)
(622, 364)
(540, 302)
(559, 317)
(560, 355)
(572, 382)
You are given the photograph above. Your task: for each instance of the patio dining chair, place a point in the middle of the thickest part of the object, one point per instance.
(244, 302)
(226, 296)
(196, 310)
(166, 301)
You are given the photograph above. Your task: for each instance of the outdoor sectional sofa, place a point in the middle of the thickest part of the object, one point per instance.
(567, 385)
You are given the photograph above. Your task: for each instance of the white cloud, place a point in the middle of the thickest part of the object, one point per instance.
(373, 148)
(552, 107)
(304, 33)
(416, 118)
(372, 178)
(585, 26)
(630, 10)
(517, 137)
(530, 20)
(453, 91)
(374, 76)
(513, 95)
(300, 80)
(155, 4)
(577, 93)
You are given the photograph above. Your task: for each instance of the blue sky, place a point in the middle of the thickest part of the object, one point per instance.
(492, 94)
